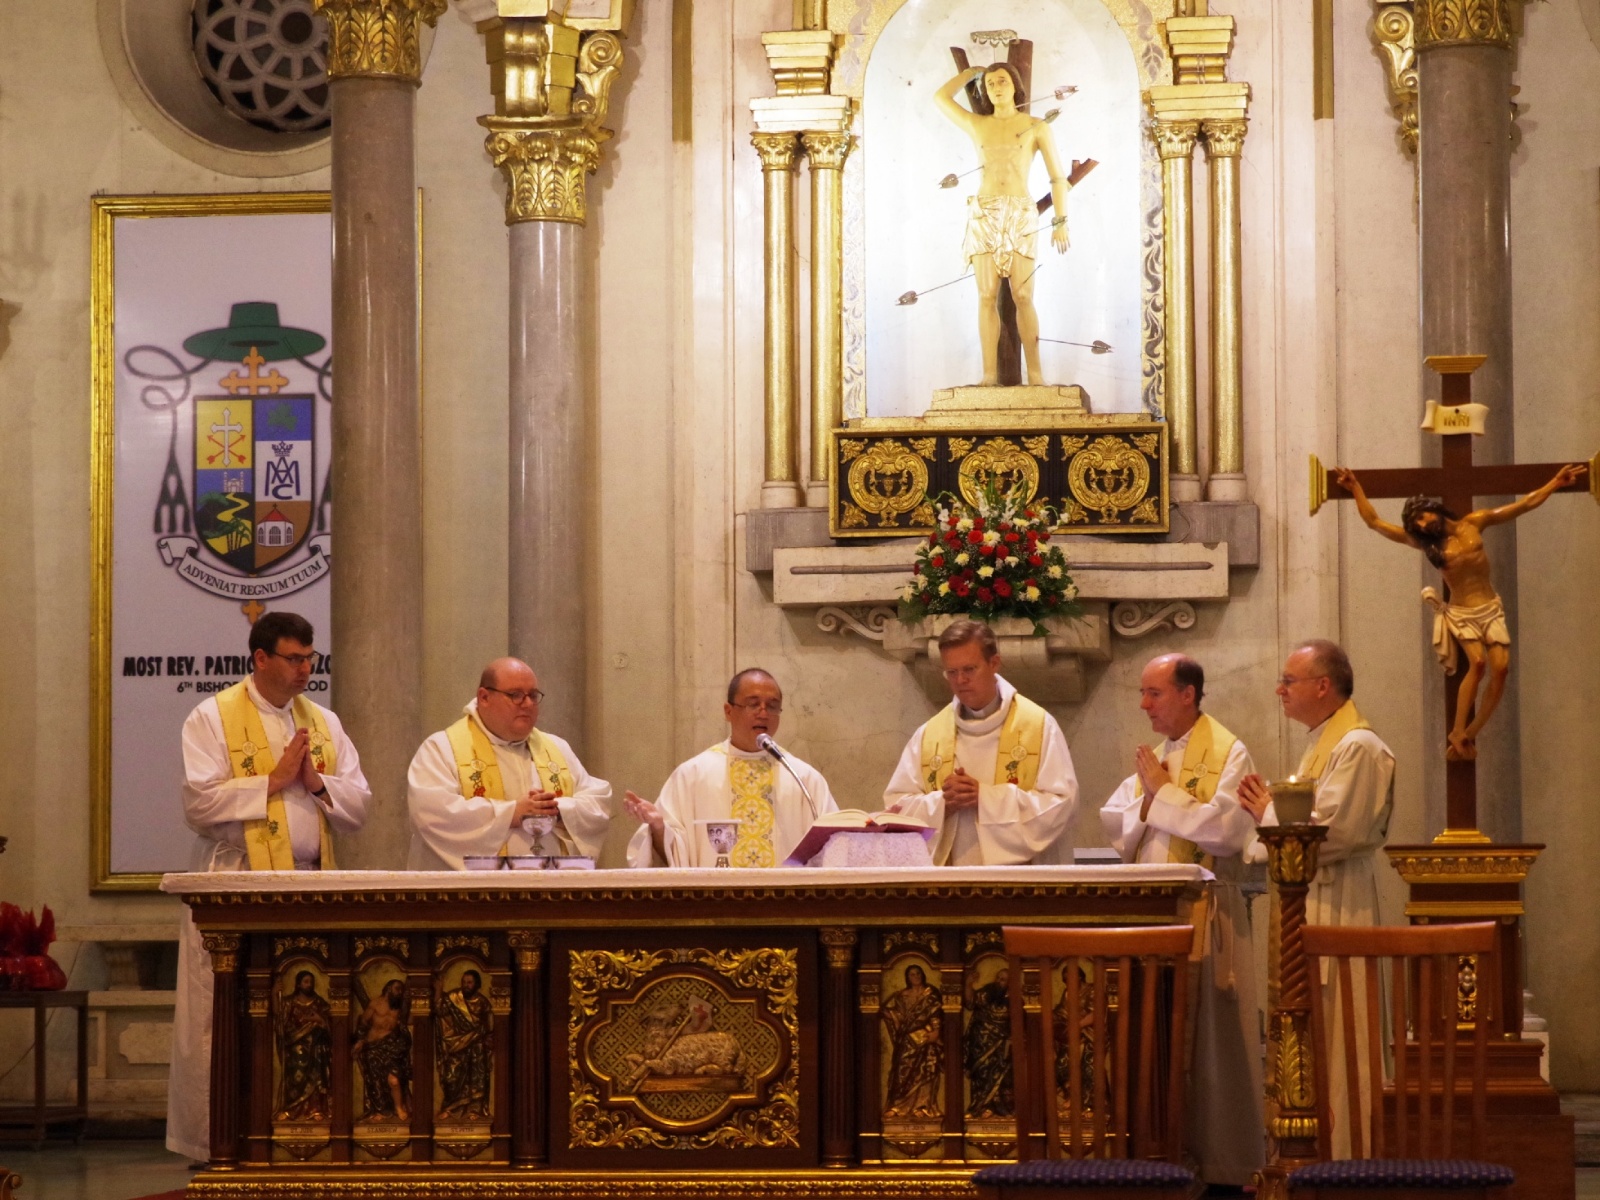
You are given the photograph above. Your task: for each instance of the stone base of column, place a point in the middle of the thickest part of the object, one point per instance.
(782, 494)
(1231, 488)
(817, 494)
(1185, 489)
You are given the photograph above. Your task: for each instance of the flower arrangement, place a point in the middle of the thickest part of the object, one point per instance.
(25, 962)
(990, 561)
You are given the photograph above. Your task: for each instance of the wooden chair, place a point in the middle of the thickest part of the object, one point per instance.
(1424, 961)
(1129, 1144)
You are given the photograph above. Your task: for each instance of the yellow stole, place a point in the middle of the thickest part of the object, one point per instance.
(1204, 756)
(753, 791)
(267, 841)
(479, 771)
(1021, 741)
(1345, 720)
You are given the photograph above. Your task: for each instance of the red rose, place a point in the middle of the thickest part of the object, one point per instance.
(988, 551)
(927, 597)
(1034, 560)
(977, 523)
(1028, 512)
(933, 539)
(985, 595)
(938, 561)
(1028, 583)
(952, 538)
(916, 568)
(1013, 538)
(959, 587)
(1002, 588)
(974, 537)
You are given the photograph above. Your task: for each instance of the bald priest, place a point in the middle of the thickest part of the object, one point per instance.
(738, 779)
(991, 771)
(472, 787)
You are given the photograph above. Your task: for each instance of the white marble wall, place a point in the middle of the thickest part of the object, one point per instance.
(1330, 367)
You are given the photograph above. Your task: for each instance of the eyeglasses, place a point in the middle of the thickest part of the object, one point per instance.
(297, 660)
(761, 706)
(955, 673)
(1288, 681)
(518, 697)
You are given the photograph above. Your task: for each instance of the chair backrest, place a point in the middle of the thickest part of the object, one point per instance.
(1076, 995)
(1425, 962)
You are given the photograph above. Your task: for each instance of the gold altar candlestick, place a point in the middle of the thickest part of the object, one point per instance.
(1291, 1058)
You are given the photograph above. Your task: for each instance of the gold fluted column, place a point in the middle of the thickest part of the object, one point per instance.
(778, 152)
(374, 69)
(1224, 141)
(552, 76)
(1175, 140)
(826, 152)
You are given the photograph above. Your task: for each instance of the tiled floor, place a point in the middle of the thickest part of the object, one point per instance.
(129, 1170)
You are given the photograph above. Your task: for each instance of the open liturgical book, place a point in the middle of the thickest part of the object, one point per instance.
(852, 820)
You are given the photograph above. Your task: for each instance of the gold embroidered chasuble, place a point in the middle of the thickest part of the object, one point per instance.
(1204, 757)
(267, 841)
(1021, 743)
(480, 773)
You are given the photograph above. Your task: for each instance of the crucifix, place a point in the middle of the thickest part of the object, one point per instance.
(1470, 631)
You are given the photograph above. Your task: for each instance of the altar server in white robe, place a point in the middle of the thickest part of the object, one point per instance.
(1181, 805)
(735, 779)
(1354, 773)
(267, 777)
(472, 788)
(991, 771)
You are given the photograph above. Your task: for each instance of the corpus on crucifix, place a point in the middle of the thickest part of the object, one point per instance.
(1470, 632)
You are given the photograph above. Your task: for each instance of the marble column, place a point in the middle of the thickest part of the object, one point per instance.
(826, 152)
(552, 83)
(779, 155)
(1464, 67)
(1224, 141)
(1175, 140)
(374, 67)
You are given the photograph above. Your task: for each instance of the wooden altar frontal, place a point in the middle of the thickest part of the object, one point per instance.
(665, 1034)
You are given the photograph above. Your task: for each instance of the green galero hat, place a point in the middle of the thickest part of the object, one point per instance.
(254, 323)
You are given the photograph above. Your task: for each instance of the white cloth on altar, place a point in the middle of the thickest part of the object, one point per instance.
(215, 806)
(847, 849)
(447, 826)
(1009, 825)
(1354, 798)
(699, 790)
(1226, 1127)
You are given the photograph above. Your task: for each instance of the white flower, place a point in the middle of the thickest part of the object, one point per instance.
(907, 591)
(1012, 561)
(944, 589)
(963, 559)
(964, 524)
(985, 572)
(990, 537)
(1054, 572)
(1072, 591)
(1032, 593)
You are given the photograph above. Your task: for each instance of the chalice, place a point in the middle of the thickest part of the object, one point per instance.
(538, 828)
(722, 835)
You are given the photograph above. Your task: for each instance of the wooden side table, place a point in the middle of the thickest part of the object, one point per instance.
(24, 1122)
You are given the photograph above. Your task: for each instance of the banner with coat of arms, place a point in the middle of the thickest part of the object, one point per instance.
(213, 397)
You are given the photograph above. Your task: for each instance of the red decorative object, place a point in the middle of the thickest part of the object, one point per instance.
(25, 962)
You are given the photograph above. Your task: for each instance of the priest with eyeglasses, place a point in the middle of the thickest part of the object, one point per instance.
(473, 788)
(749, 778)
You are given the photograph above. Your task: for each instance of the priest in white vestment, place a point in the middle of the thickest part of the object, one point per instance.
(268, 775)
(472, 788)
(990, 772)
(1181, 805)
(736, 779)
(1354, 773)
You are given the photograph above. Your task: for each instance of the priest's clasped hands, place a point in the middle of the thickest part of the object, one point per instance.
(960, 791)
(296, 764)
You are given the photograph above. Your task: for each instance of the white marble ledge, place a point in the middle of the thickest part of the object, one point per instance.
(666, 879)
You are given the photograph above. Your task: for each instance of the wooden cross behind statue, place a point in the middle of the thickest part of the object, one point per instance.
(1457, 481)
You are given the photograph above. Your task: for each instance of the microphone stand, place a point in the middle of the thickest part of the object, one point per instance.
(772, 748)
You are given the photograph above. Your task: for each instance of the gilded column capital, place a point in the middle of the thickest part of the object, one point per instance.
(1462, 23)
(545, 168)
(778, 151)
(1394, 35)
(377, 39)
(827, 150)
(527, 946)
(1176, 139)
(224, 951)
(1225, 139)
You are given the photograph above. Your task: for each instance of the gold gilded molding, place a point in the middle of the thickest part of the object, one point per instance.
(841, 947)
(545, 169)
(999, 461)
(1225, 138)
(300, 942)
(377, 39)
(527, 945)
(827, 150)
(224, 951)
(461, 941)
(383, 943)
(779, 151)
(1394, 36)
(1463, 22)
(771, 1122)
(888, 481)
(1109, 477)
(1294, 1078)
(1176, 139)
(1455, 865)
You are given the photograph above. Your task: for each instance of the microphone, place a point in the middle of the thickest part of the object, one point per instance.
(771, 747)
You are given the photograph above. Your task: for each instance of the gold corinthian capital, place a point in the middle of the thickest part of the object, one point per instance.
(377, 39)
(545, 170)
(1462, 22)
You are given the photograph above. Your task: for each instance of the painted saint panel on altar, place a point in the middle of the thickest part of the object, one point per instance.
(917, 233)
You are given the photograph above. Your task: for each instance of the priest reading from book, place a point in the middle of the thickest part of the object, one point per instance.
(991, 771)
(1181, 805)
(748, 778)
(474, 789)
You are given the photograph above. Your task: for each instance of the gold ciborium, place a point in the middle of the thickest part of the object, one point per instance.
(1293, 799)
